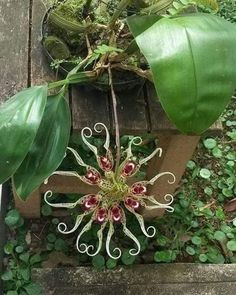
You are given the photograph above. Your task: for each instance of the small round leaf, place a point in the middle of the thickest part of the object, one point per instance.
(202, 257)
(205, 173)
(196, 240)
(231, 245)
(190, 250)
(219, 235)
(210, 143)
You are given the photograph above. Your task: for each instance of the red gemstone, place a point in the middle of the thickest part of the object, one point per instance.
(129, 168)
(139, 189)
(101, 215)
(116, 214)
(90, 202)
(93, 176)
(105, 163)
(134, 204)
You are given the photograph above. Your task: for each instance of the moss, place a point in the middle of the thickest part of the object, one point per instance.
(100, 12)
(56, 47)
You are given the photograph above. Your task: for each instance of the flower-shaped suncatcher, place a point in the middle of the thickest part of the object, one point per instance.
(114, 197)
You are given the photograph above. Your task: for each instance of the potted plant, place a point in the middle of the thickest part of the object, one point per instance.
(176, 49)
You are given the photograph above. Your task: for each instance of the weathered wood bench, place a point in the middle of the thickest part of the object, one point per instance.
(22, 63)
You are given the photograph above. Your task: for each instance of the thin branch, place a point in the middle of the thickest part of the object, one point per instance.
(90, 52)
(117, 130)
(142, 73)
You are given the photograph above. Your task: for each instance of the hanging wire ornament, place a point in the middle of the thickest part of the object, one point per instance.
(114, 197)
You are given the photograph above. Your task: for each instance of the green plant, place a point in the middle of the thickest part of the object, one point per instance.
(114, 198)
(17, 277)
(228, 10)
(169, 44)
(184, 40)
(202, 228)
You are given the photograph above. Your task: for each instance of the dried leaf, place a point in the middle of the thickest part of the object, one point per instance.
(230, 206)
(28, 238)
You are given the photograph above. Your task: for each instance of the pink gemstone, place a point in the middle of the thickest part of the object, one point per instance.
(139, 189)
(105, 163)
(101, 215)
(134, 204)
(93, 176)
(116, 214)
(129, 168)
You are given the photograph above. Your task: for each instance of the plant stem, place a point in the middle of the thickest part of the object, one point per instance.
(117, 130)
(121, 7)
(58, 84)
(74, 78)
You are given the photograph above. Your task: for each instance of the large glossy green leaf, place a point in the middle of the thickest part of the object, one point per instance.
(48, 149)
(20, 118)
(193, 60)
(139, 24)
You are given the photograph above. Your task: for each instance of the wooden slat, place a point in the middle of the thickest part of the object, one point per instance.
(67, 185)
(89, 106)
(40, 69)
(14, 36)
(39, 72)
(169, 289)
(177, 151)
(131, 108)
(160, 122)
(31, 207)
(146, 279)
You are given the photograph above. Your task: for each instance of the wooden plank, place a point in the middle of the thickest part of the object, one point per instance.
(14, 37)
(160, 123)
(160, 273)
(14, 65)
(164, 279)
(131, 109)
(183, 289)
(158, 118)
(67, 185)
(169, 289)
(39, 72)
(31, 207)
(40, 69)
(177, 151)
(89, 106)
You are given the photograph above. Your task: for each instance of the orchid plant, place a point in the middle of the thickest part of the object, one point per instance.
(176, 47)
(190, 58)
(115, 195)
